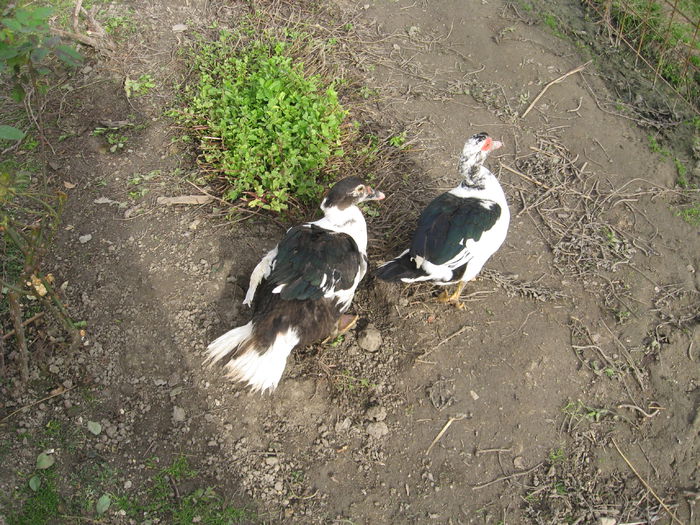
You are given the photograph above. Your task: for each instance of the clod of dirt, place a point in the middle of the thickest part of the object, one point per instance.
(441, 393)
(377, 430)
(375, 413)
(370, 339)
(178, 414)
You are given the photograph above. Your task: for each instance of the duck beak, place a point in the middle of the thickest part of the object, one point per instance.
(373, 195)
(491, 145)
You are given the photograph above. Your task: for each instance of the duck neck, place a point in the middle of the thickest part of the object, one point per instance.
(349, 221)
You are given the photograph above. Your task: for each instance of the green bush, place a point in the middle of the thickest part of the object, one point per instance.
(262, 123)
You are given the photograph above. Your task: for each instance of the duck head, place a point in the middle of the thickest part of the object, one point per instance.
(475, 151)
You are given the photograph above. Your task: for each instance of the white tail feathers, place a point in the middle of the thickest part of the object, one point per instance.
(262, 369)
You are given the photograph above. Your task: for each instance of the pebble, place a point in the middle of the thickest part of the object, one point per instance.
(343, 425)
(519, 462)
(178, 414)
(85, 238)
(377, 430)
(370, 339)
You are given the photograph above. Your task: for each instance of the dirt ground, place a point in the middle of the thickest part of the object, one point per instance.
(566, 392)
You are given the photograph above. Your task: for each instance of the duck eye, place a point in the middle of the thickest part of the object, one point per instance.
(359, 190)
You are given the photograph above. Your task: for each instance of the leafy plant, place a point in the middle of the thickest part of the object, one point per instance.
(263, 124)
(140, 86)
(28, 220)
(398, 140)
(42, 500)
(26, 43)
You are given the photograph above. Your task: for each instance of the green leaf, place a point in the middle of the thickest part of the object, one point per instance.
(10, 133)
(44, 461)
(41, 13)
(103, 504)
(11, 24)
(68, 55)
(94, 427)
(17, 93)
(35, 483)
(39, 54)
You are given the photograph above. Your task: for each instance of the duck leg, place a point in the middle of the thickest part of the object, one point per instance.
(345, 323)
(444, 297)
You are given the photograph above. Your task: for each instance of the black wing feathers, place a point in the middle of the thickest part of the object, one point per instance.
(448, 222)
(307, 255)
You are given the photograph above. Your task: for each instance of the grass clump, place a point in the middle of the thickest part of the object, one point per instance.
(263, 125)
(202, 505)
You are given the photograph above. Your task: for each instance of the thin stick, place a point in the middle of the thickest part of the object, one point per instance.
(82, 39)
(25, 323)
(76, 12)
(504, 478)
(656, 409)
(458, 332)
(646, 485)
(16, 315)
(489, 450)
(442, 432)
(60, 393)
(555, 81)
(519, 174)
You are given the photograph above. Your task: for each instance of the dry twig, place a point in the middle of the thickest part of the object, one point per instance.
(646, 485)
(550, 84)
(442, 432)
(60, 392)
(505, 478)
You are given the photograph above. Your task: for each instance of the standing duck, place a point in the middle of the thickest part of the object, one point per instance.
(459, 230)
(300, 290)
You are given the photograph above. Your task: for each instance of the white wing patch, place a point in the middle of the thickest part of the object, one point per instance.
(261, 271)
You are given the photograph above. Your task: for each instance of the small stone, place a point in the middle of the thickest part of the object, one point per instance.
(179, 28)
(370, 339)
(474, 395)
(375, 413)
(54, 369)
(127, 484)
(377, 430)
(519, 462)
(85, 238)
(607, 521)
(271, 461)
(342, 426)
(178, 414)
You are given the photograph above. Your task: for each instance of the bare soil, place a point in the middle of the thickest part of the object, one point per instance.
(566, 392)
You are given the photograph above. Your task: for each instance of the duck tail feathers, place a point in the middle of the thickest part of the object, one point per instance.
(403, 268)
(245, 361)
